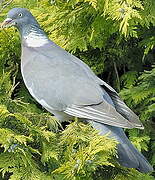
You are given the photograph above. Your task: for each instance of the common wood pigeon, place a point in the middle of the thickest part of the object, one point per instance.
(67, 87)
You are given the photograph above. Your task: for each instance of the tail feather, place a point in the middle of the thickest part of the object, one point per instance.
(128, 155)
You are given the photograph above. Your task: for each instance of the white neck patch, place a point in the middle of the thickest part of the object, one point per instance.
(36, 40)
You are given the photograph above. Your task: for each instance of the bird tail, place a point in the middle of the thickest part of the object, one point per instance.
(128, 155)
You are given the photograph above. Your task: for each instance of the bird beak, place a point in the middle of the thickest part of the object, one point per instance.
(7, 22)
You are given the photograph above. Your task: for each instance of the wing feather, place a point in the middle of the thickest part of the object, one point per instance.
(104, 113)
(124, 110)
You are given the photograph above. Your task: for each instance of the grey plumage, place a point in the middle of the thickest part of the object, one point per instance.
(67, 87)
(128, 155)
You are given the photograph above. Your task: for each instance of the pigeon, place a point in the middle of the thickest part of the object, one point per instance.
(66, 87)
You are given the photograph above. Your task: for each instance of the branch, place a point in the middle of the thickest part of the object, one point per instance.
(117, 76)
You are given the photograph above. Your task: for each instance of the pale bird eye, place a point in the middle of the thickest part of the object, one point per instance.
(20, 14)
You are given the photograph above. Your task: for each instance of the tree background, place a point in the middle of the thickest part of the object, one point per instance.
(116, 39)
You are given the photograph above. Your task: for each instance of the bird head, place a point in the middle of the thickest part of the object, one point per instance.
(20, 18)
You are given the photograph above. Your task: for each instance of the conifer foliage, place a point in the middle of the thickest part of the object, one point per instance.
(115, 38)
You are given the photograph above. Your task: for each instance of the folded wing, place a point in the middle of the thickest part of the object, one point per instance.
(114, 114)
(103, 113)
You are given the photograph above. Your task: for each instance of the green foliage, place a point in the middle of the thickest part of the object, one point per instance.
(116, 39)
(83, 151)
(141, 96)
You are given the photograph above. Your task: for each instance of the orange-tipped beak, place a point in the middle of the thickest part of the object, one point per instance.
(6, 22)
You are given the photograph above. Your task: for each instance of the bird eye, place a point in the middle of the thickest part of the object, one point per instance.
(20, 14)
